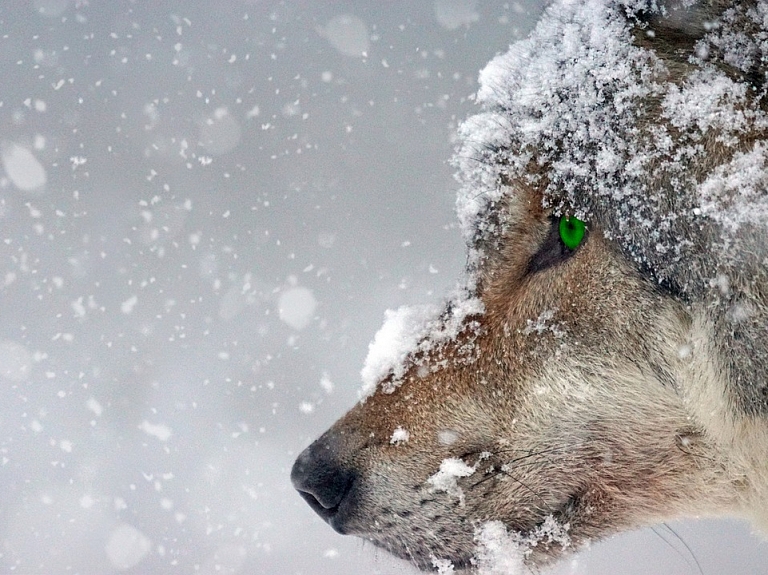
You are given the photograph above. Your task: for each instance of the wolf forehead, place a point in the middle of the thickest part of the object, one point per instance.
(645, 118)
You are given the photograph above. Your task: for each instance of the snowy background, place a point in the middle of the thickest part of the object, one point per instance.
(205, 209)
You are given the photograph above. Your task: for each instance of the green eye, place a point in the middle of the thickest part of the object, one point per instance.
(571, 231)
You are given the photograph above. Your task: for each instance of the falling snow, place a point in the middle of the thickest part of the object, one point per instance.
(22, 167)
(202, 212)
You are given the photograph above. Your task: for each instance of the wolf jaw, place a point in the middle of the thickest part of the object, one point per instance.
(615, 385)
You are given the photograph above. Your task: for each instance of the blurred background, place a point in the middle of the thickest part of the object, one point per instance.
(205, 209)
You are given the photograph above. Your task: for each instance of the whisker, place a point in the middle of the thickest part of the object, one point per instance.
(496, 472)
(684, 544)
(522, 484)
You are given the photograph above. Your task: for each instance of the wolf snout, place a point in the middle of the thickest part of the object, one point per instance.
(324, 483)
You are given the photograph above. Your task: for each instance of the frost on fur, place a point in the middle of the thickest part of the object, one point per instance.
(566, 111)
(400, 435)
(501, 552)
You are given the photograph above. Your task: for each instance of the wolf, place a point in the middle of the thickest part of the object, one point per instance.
(603, 364)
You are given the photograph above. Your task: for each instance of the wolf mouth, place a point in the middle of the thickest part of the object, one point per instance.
(539, 542)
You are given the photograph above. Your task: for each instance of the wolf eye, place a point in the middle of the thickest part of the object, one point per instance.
(572, 231)
(564, 236)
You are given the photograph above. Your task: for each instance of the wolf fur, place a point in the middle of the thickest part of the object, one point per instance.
(600, 389)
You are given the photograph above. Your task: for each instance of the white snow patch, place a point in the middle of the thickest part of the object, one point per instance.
(127, 306)
(15, 361)
(452, 14)
(348, 34)
(127, 547)
(399, 336)
(159, 430)
(500, 552)
(400, 435)
(408, 330)
(451, 469)
(708, 100)
(94, 406)
(734, 193)
(296, 307)
(443, 566)
(23, 168)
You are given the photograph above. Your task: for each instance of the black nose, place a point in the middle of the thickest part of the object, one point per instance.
(324, 482)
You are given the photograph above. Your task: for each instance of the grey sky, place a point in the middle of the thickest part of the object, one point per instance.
(206, 208)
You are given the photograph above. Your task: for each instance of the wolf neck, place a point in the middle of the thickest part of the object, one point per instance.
(738, 432)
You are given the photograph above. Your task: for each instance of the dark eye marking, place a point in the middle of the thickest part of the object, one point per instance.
(553, 250)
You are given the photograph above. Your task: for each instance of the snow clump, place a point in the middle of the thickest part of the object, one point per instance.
(400, 435)
(411, 330)
(500, 552)
(451, 469)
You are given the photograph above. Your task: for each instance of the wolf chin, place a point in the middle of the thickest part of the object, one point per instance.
(575, 388)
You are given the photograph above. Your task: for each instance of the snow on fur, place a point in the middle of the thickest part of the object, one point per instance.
(585, 111)
(410, 330)
(503, 553)
(446, 479)
(569, 111)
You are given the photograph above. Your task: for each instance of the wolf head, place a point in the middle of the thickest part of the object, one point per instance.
(576, 387)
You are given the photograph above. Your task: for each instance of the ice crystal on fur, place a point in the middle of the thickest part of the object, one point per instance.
(734, 193)
(443, 566)
(544, 324)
